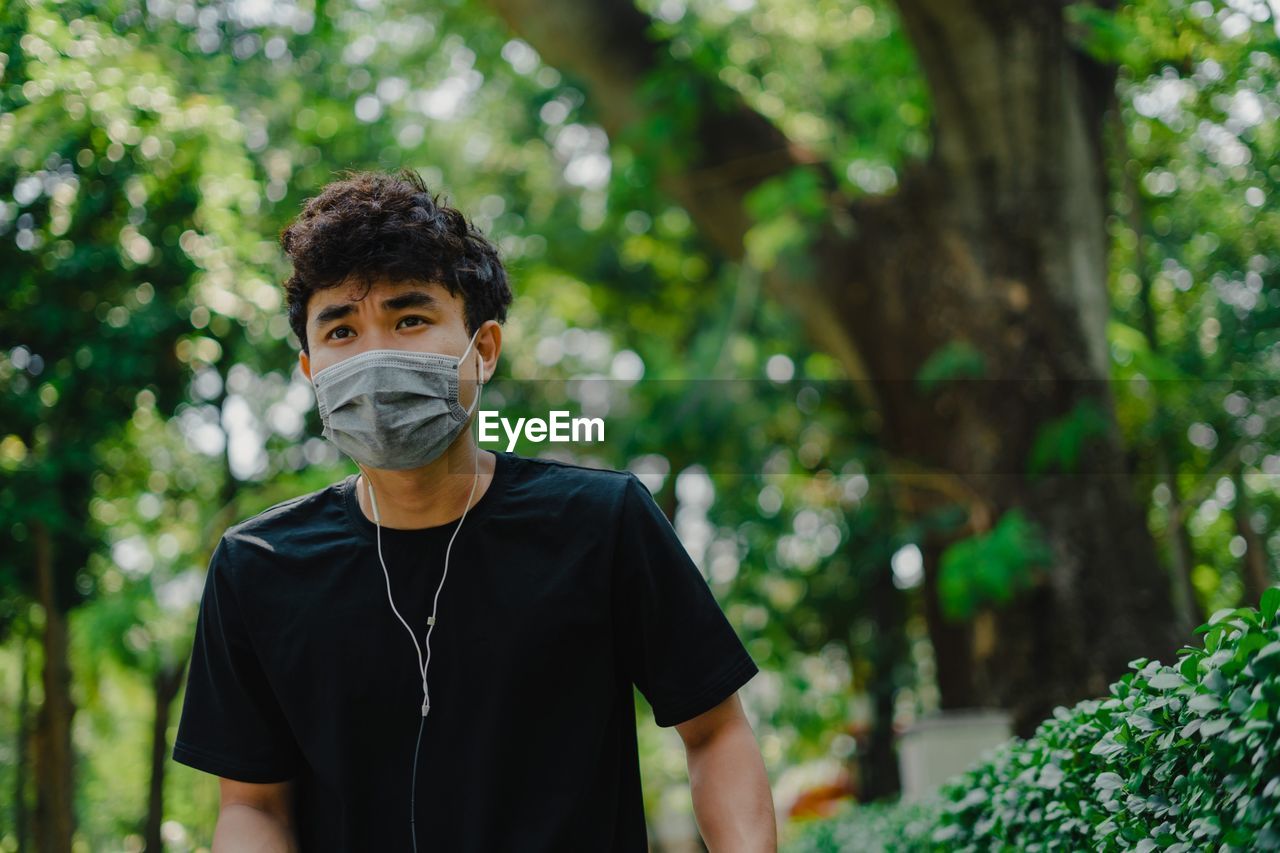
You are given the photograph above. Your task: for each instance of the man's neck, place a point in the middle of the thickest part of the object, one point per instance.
(430, 496)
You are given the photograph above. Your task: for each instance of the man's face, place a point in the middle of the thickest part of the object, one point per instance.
(411, 315)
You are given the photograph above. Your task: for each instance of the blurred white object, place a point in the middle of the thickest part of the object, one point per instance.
(946, 743)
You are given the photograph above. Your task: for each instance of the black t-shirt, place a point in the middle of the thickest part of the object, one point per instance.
(566, 585)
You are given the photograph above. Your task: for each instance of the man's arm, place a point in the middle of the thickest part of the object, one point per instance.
(255, 818)
(731, 798)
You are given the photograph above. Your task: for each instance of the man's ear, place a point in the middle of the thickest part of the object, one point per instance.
(489, 346)
(304, 361)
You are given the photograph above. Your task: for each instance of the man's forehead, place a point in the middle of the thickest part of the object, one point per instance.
(354, 290)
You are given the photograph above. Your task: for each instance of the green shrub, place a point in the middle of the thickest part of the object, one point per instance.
(1178, 758)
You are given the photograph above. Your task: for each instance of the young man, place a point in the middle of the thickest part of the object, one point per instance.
(438, 653)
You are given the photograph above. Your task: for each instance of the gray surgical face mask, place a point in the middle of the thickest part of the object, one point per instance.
(393, 409)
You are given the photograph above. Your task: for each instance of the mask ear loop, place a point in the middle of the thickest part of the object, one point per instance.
(475, 404)
(470, 344)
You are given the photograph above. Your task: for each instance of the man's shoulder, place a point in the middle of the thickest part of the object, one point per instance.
(556, 488)
(559, 474)
(300, 517)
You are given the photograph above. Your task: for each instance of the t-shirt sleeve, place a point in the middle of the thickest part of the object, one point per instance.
(231, 723)
(674, 640)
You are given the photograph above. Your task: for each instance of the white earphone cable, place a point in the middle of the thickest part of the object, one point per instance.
(377, 520)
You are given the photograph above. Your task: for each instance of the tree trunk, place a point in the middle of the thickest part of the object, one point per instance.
(21, 808)
(952, 641)
(1254, 569)
(997, 242)
(166, 684)
(54, 783)
(1181, 556)
(880, 780)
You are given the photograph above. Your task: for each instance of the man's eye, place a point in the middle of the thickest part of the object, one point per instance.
(334, 334)
(416, 321)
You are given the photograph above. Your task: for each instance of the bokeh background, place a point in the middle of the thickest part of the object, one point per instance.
(945, 333)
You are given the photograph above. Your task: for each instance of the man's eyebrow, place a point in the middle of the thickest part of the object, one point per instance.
(330, 313)
(409, 299)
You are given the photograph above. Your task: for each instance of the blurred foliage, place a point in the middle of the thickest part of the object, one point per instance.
(1061, 442)
(955, 360)
(1195, 314)
(786, 210)
(992, 567)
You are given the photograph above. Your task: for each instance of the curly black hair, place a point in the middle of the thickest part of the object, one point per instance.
(374, 225)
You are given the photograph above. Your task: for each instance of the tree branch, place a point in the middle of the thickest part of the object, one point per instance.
(608, 46)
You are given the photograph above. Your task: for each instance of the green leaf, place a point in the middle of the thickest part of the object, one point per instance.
(1061, 442)
(953, 360)
(1167, 681)
(1219, 615)
(1267, 661)
(1270, 604)
(1108, 781)
(1214, 727)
